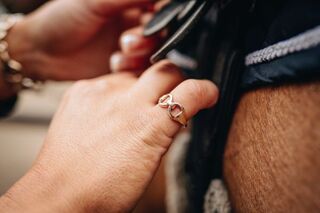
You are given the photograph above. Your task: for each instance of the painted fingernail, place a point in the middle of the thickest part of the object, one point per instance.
(129, 42)
(115, 62)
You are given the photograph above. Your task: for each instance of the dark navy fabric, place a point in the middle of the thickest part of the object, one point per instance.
(300, 66)
(278, 20)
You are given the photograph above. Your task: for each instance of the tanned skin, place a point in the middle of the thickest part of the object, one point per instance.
(272, 158)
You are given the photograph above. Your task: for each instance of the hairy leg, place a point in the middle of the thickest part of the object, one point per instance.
(272, 158)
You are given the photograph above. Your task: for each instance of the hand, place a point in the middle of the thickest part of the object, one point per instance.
(136, 49)
(62, 39)
(106, 142)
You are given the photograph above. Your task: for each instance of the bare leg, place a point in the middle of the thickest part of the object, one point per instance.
(272, 159)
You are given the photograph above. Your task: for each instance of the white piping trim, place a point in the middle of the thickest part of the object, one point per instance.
(303, 41)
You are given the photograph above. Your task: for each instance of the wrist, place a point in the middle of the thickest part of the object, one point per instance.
(22, 48)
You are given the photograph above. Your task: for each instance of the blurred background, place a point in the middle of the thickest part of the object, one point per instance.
(22, 133)
(21, 6)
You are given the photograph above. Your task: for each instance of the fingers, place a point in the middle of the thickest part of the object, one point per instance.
(135, 51)
(133, 40)
(159, 79)
(145, 18)
(193, 95)
(131, 18)
(128, 62)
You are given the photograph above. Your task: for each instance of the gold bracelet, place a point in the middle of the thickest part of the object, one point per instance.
(12, 68)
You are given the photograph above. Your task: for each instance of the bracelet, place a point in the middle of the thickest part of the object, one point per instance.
(12, 68)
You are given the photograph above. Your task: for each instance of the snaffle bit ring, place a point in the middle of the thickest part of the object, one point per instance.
(175, 110)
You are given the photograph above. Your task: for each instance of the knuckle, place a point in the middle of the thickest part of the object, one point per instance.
(103, 85)
(124, 76)
(79, 87)
(167, 66)
(113, 81)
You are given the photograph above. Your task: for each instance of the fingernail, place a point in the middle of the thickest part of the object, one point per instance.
(129, 42)
(115, 62)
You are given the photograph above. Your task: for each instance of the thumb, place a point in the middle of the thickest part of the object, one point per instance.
(193, 96)
(112, 7)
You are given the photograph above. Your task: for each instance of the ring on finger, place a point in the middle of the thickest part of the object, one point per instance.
(175, 110)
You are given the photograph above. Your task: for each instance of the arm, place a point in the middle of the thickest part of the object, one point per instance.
(106, 142)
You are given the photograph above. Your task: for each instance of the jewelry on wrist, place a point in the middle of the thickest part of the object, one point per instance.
(11, 68)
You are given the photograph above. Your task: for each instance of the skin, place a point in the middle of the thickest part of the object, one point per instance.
(135, 50)
(271, 162)
(271, 159)
(106, 142)
(45, 44)
(70, 39)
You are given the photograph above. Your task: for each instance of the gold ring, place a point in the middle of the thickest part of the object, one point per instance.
(175, 110)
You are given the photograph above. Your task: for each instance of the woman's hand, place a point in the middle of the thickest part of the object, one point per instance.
(106, 141)
(136, 49)
(63, 38)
